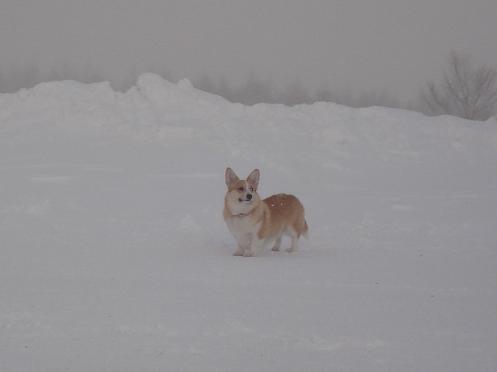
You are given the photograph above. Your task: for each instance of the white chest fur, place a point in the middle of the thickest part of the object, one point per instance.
(242, 228)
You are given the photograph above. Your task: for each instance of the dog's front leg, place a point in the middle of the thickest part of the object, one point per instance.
(255, 247)
(240, 250)
(243, 245)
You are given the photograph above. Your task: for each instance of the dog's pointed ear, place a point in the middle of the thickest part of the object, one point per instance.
(230, 177)
(253, 178)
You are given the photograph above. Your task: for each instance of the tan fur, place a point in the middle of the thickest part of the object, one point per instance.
(260, 222)
(282, 211)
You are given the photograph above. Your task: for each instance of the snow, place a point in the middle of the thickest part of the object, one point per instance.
(115, 257)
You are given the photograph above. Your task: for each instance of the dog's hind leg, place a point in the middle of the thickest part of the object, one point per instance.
(294, 245)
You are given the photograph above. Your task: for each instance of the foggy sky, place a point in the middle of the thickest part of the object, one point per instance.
(390, 46)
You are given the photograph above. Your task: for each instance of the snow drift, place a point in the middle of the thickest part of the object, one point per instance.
(114, 255)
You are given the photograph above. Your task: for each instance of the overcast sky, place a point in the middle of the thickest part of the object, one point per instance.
(390, 46)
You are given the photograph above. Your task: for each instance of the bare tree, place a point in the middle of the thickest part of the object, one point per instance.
(465, 91)
(2, 82)
(375, 98)
(324, 94)
(205, 83)
(255, 90)
(224, 89)
(295, 94)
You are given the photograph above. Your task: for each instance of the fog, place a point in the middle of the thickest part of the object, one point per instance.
(387, 48)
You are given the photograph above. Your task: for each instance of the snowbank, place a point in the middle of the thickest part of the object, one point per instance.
(114, 255)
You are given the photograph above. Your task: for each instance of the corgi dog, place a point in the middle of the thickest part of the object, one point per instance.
(257, 223)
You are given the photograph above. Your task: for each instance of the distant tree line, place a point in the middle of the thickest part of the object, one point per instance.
(465, 90)
(254, 90)
(28, 74)
(257, 90)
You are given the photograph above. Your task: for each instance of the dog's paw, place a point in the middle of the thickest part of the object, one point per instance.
(248, 254)
(238, 252)
(275, 249)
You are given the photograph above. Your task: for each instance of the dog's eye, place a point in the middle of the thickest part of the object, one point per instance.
(252, 189)
(240, 189)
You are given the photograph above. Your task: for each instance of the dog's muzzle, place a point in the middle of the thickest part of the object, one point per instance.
(248, 199)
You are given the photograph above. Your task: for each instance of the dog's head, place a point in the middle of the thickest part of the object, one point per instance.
(242, 197)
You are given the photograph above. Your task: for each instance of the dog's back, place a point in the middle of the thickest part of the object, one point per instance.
(286, 212)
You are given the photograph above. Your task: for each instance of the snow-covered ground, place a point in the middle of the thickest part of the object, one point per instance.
(114, 255)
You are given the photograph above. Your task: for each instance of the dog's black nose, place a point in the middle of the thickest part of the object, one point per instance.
(249, 196)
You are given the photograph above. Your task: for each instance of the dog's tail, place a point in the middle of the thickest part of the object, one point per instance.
(305, 230)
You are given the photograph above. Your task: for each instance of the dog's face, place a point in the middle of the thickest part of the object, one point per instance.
(242, 196)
